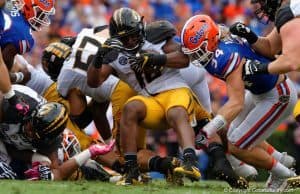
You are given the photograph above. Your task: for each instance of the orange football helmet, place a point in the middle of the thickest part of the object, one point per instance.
(199, 39)
(70, 145)
(36, 12)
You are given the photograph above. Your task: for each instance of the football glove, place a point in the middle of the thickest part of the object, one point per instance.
(6, 171)
(98, 149)
(107, 53)
(243, 31)
(38, 172)
(147, 62)
(252, 67)
(53, 58)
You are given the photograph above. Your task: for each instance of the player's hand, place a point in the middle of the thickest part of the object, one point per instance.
(98, 149)
(18, 103)
(253, 67)
(201, 141)
(147, 61)
(38, 172)
(26, 74)
(243, 31)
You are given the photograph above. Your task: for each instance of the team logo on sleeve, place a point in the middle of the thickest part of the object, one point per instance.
(123, 60)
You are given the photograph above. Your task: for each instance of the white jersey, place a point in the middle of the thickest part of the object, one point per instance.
(195, 77)
(167, 79)
(74, 71)
(39, 80)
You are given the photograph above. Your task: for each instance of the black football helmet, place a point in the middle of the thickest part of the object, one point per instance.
(49, 121)
(54, 55)
(126, 23)
(267, 9)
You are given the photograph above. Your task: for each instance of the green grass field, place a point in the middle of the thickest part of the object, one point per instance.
(155, 187)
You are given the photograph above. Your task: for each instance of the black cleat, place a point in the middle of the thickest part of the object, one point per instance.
(223, 171)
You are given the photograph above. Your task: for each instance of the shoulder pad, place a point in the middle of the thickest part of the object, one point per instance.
(159, 31)
(283, 15)
(99, 28)
(68, 40)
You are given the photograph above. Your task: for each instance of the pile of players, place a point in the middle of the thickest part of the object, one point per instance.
(152, 83)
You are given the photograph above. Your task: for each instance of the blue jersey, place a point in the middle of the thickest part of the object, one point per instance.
(227, 58)
(18, 33)
(5, 22)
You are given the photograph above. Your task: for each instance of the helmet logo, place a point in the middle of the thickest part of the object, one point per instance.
(199, 34)
(44, 111)
(46, 3)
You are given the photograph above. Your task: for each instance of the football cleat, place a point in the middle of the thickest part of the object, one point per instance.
(287, 160)
(246, 171)
(188, 169)
(293, 182)
(223, 171)
(171, 177)
(279, 184)
(132, 175)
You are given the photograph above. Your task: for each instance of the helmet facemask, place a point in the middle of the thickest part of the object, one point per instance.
(36, 12)
(42, 18)
(128, 26)
(199, 56)
(70, 144)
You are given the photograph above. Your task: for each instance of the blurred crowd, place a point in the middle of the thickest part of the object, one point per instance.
(73, 15)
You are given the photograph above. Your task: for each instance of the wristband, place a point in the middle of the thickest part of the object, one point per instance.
(251, 37)
(82, 157)
(19, 77)
(215, 125)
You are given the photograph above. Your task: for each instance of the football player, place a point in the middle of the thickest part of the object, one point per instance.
(40, 82)
(72, 76)
(164, 99)
(159, 31)
(37, 137)
(281, 44)
(5, 84)
(253, 114)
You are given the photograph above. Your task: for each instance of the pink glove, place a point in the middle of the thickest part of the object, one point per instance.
(98, 149)
(38, 172)
(33, 173)
(19, 104)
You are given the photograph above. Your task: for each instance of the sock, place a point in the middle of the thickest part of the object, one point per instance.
(9, 94)
(216, 151)
(130, 157)
(280, 170)
(273, 152)
(233, 161)
(189, 153)
(160, 164)
(118, 167)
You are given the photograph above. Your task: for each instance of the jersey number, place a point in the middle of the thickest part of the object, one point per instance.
(85, 53)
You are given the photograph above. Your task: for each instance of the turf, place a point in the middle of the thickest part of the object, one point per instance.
(155, 187)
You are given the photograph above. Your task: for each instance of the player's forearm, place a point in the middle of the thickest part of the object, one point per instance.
(230, 110)
(177, 60)
(263, 47)
(284, 64)
(93, 76)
